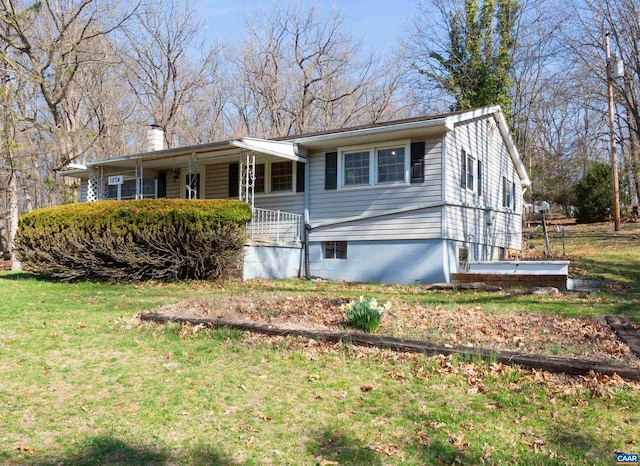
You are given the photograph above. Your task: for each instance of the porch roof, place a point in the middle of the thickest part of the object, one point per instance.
(220, 152)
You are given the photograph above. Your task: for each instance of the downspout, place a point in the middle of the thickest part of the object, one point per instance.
(307, 225)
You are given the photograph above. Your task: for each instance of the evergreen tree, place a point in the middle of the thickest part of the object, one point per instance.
(594, 194)
(476, 66)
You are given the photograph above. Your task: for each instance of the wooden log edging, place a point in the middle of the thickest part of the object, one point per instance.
(626, 332)
(531, 361)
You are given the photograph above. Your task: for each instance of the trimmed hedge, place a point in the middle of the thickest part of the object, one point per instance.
(159, 239)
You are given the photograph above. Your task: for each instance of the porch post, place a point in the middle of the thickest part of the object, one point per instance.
(247, 179)
(139, 191)
(95, 186)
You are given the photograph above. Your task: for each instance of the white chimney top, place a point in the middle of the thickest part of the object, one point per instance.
(155, 138)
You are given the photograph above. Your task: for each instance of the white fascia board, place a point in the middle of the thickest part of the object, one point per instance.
(76, 172)
(283, 149)
(442, 122)
(471, 114)
(165, 153)
(511, 147)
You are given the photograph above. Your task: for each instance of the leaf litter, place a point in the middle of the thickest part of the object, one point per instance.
(525, 332)
(588, 338)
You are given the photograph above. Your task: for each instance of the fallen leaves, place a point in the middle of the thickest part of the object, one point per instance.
(529, 332)
(458, 441)
(367, 387)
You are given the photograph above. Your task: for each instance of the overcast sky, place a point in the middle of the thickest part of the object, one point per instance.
(380, 23)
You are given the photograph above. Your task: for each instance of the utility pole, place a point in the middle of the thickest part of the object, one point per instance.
(612, 133)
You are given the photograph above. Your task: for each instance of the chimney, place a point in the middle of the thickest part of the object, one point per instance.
(155, 138)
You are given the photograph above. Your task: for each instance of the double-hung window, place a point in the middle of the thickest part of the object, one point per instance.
(356, 168)
(508, 193)
(470, 173)
(391, 164)
(371, 166)
(273, 177)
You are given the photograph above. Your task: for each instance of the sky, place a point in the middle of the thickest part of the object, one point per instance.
(379, 23)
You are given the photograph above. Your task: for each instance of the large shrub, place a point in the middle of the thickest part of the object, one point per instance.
(594, 194)
(159, 239)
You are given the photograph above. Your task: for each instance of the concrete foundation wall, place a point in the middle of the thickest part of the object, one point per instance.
(275, 262)
(399, 261)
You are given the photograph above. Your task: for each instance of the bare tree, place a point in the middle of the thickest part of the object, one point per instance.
(52, 43)
(593, 19)
(301, 72)
(162, 71)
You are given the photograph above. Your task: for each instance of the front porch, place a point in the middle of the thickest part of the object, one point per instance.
(268, 175)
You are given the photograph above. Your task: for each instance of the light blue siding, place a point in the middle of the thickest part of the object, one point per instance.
(392, 261)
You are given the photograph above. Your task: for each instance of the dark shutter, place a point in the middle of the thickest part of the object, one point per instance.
(300, 177)
(463, 166)
(479, 178)
(162, 184)
(417, 162)
(234, 175)
(504, 191)
(331, 170)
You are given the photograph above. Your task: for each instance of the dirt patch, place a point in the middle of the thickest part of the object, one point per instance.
(525, 332)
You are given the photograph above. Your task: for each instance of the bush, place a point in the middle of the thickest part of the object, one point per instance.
(365, 314)
(594, 195)
(160, 239)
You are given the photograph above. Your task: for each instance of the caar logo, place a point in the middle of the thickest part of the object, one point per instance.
(623, 458)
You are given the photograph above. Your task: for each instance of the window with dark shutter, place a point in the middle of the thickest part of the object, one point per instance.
(234, 178)
(331, 170)
(162, 184)
(463, 166)
(417, 162)
(300, 177)
(479, 178)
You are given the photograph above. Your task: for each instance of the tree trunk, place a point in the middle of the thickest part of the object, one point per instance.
(13, 218)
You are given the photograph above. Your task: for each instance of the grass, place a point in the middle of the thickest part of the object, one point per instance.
(85, 383)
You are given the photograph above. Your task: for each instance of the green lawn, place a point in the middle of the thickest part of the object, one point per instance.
(83, 382)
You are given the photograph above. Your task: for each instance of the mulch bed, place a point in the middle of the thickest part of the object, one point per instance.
(526, 334)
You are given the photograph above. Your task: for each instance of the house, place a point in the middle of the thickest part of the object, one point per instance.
(403, 201)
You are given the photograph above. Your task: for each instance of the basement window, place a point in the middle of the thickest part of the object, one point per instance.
(334, 249)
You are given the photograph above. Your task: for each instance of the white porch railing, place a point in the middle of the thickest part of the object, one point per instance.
(274, 225)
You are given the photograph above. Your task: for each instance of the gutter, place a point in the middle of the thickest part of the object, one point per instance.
(446, 123)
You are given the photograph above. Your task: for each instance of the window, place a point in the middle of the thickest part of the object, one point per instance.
(269, 177)
(334, 249)
(390, 164)
(370, 166)
(281, 176)
(356, 168)
(127, 190)
(508, 193)
(471, 173)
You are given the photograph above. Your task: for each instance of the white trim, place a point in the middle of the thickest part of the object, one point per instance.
(373, 149)
(511, 147)
(445, 123)
(282, 149)
(267, 178)
(469, 155)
